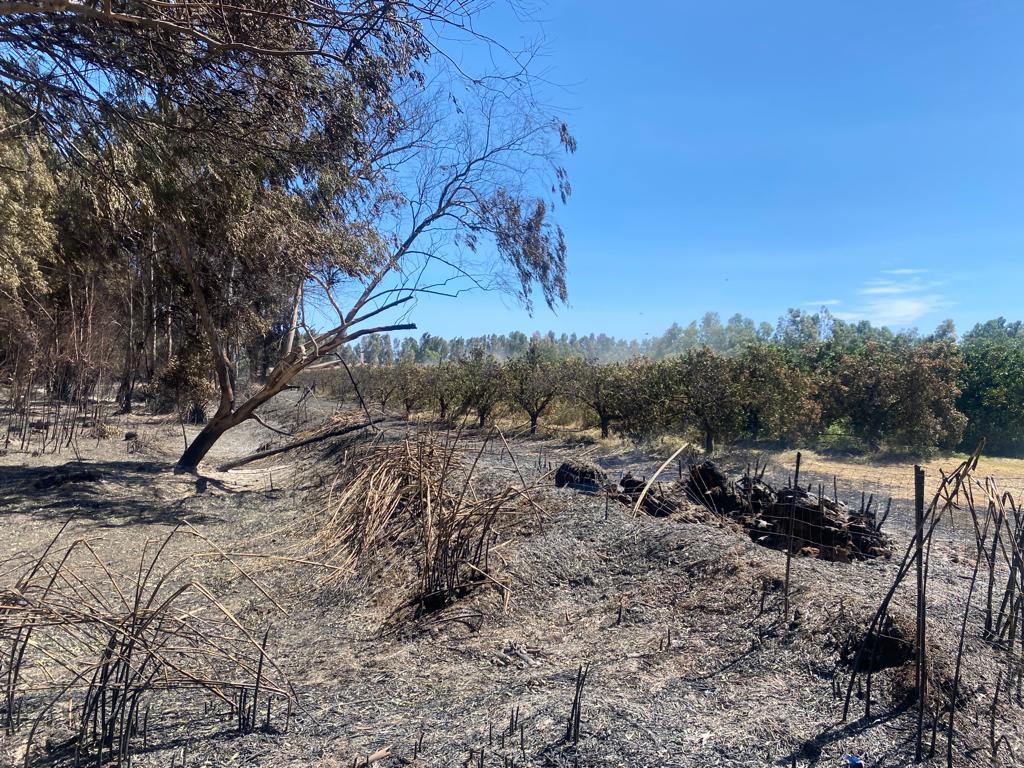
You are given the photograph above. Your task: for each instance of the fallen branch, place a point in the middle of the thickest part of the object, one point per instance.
(262, 423)
(298, 444)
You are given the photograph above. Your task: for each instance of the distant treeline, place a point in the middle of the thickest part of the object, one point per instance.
(810, 377)
(795, 329)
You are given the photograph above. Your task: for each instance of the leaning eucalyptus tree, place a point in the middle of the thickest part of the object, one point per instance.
(321, 163)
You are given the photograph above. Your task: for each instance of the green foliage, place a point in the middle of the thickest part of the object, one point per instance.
(779, 401)
(481, 385)
(924, 415)
(992, 396)
(597, 387)
(857, 388)
(429, 349)
(379, 385)
(903, 394)
(701, 391)
(445, 388)
(231, 170)
(28, 235)
(798, 329)
(184, 385)
(634, 395)
(414, 386)
(838, 437)
(533, 381)
(862, 389)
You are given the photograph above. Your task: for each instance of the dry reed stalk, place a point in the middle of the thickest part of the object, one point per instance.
(76, 631)
(999, 532)
(947, 497)
(416, 499)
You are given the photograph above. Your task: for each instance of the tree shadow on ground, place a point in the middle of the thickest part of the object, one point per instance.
(109, 493)
(812, 749)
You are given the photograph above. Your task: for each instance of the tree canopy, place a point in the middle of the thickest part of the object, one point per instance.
(274, 180)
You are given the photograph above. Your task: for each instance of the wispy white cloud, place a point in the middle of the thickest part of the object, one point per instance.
(896, 312)
(901, 299)
(885, 289)
(904, 271)
(824, 303)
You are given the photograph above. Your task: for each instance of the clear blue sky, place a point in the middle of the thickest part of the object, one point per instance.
(753, 156)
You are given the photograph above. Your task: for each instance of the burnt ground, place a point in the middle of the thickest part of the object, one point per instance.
(691, 660)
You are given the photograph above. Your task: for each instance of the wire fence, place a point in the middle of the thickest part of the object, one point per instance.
(883, 492)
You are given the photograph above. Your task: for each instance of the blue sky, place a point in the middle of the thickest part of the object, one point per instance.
(753, 156)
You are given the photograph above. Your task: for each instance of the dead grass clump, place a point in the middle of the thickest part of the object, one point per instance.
(415, 507)
(888, 643)
(942, 686)
(85, 650)
(102, 430)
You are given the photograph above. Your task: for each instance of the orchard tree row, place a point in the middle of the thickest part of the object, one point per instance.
(878, 395)
(812, 375)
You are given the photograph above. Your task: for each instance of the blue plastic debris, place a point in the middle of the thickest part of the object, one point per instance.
(852, 761)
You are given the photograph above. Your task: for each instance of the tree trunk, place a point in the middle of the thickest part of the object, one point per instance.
(293, 326)
(125, 390)
(442, 408)
(482, 417)
(204, 441)
(296, 444)
(229, 414)
(533, 423)
(169, 337)
(605, 424)
(151, 331)
(709, 441)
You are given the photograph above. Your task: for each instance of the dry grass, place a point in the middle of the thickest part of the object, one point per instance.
(87, 648)
(414, 502)
(694, 659)
(899, 472)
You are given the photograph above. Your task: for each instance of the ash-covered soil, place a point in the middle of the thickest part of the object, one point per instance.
(690, 659)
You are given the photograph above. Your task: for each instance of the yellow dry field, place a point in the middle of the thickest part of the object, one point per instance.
(899, 472)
